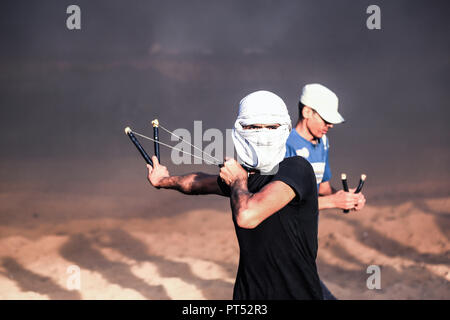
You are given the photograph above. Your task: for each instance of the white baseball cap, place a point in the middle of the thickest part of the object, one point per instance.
(323, 101)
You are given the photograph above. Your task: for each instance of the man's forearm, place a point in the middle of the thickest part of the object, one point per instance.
(326, 198)
(239, 198)
(326, 202)
(193, 183)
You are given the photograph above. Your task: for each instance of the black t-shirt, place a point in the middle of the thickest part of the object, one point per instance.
(278, 257)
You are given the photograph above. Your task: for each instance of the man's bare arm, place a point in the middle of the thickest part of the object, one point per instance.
(250, 209)
(193, 183)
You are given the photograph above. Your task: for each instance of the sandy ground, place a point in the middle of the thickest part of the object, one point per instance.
(188, 252)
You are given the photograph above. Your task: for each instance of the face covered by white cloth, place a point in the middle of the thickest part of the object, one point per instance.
(262, 149)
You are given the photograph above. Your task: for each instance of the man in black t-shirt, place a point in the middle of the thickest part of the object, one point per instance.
(274, 205)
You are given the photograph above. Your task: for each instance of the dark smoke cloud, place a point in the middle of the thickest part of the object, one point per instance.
(68, 94)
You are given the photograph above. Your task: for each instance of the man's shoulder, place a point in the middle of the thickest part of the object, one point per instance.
(293, 160)
(294, 138)
(298, 173)
(296, 145)
(295, 163)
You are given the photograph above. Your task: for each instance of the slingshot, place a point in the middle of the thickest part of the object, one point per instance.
(156, 125)
(345, 185)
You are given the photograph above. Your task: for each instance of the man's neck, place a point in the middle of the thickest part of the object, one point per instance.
(304, 132)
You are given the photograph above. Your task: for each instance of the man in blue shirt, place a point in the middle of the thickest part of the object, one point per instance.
(318, 112)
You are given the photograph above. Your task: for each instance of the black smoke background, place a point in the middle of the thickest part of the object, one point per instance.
(66, 96)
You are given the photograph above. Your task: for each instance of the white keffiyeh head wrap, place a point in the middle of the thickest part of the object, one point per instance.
(264, 148)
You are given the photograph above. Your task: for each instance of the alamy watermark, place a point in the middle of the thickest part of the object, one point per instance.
(190, 149)
(73, 281)
(216, 149)
(73, 21)
(374, 20)
(374, 281)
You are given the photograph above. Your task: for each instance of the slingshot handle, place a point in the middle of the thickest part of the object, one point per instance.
(155, 124)
(138, 146)
(345, 187)
(361, 183)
